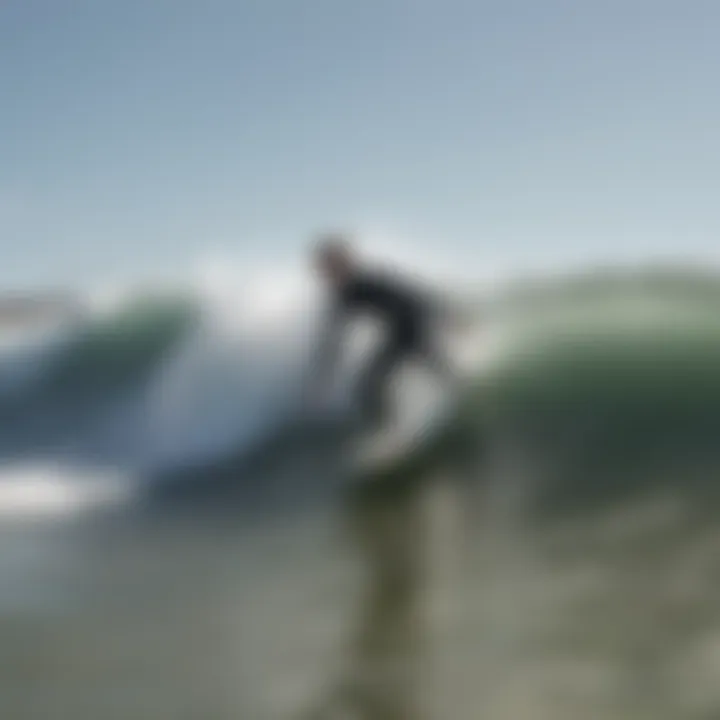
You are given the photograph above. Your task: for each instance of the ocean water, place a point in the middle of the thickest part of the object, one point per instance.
(148, 570)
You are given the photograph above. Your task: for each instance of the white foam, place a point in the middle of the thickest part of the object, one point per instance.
(35, 491)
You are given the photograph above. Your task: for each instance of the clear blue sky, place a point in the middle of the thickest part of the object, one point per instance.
(136, 134)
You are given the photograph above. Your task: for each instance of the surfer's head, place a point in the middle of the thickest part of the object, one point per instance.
(333, 256)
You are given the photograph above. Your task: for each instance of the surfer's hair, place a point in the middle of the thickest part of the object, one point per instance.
(334, 247)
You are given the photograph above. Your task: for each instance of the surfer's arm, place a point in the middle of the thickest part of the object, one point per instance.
(325, 356)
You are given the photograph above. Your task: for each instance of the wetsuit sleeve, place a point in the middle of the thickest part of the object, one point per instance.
(325, 356)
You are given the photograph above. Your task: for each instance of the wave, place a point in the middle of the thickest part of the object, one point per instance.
(598, 392)
(197, 391)
(63, 384)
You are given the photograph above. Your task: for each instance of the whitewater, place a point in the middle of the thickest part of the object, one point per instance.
(171, 373)
(165, 374)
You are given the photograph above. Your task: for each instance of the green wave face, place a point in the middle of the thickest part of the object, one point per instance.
(118, 350)
(610, 388)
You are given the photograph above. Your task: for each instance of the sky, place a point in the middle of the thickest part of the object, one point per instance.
(145, 136)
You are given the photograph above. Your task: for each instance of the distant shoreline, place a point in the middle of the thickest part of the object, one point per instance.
(21, 309)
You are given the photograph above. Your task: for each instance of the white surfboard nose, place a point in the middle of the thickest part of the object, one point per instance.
(423, 402)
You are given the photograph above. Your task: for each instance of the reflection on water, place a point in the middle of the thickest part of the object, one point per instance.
(198, 617)
(388, 643)
(610, 617)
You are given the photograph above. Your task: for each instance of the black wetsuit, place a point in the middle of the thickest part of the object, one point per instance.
(408, 316)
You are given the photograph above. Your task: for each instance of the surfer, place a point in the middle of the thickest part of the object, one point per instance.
(408, 315)
(386, 520)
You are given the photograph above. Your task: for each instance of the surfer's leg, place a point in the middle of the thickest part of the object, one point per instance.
(373, 388)
(436, 357)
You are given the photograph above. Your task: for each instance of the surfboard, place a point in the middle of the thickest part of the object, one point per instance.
(385, 446)
(424, 406)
